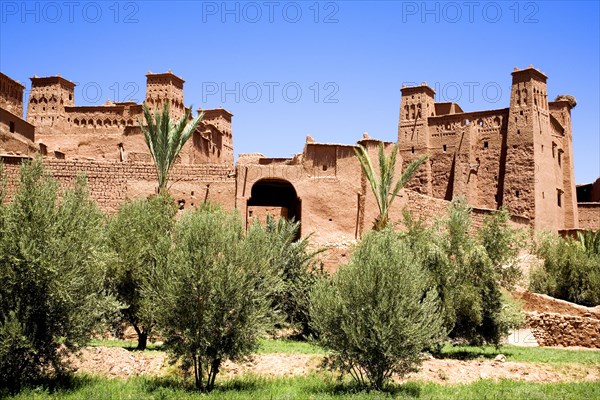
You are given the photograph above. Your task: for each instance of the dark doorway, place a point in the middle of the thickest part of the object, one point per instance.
(276, 193)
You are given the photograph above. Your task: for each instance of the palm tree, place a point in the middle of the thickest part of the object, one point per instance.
(383, 186)
(165, 138)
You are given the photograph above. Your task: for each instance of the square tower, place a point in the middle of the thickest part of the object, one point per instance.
(166, 87)
(416, 106)
(534, 183)
(47, 101)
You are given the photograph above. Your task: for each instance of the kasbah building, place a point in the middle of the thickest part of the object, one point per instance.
(520, 157)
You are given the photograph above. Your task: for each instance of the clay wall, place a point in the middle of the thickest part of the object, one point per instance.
(589, 215)
(11, 95)
(327, 182)
(10, 123)
(111, 183)
(554, 329)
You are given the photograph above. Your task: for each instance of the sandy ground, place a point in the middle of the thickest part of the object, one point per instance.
(121, 363)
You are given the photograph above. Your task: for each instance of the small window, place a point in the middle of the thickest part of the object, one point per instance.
(485, 145)
(11, 126)
(517, 193)
(559, 197)
(560, 158)
(444, 148)
(413, 149)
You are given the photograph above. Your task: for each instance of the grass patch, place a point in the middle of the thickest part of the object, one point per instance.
(287, 346)
(522, 354)
(125, 344)
(512, 353)
(311, 387)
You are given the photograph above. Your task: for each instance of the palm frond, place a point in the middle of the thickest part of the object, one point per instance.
(165, 139)
(382, 186)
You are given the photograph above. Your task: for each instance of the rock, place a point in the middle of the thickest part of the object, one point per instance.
(500, 357)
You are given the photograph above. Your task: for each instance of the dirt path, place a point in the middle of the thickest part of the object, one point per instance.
(121, 363)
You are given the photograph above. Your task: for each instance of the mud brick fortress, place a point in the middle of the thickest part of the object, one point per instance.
(520, 157)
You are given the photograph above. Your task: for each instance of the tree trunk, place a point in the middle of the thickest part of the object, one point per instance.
(142, 341)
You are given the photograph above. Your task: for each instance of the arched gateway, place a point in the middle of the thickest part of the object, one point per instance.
(276, 197)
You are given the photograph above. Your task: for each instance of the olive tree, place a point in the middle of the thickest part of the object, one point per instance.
(378, 312)
(213, 298)
(52, 267)
(140, 235)
(467, 282)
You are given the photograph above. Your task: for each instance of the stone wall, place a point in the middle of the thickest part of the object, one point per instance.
(553, 329)
(111, 183)
(589, 215)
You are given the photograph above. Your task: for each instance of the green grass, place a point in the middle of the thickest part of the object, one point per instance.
(311, 387)
(512, 353)
(287, 346)
(266, 346)
(522, 354)
(126, 344)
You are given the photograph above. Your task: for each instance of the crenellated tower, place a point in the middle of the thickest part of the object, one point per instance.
(47, 101)
(534, 184)
(166, 87)
(416, 106)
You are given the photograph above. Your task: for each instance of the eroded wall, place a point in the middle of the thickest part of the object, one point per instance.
(111, 183)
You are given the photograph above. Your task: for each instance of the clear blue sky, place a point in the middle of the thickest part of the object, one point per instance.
(329, 69)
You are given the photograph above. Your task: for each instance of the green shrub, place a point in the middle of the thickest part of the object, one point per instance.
(379, 311)
(213, 298)
(464, 275)
(571, 268)
(140, 236)
(502, 244)
(298, 268)
(52, 268)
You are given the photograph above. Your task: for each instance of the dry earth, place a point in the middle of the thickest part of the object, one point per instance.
(122, 363)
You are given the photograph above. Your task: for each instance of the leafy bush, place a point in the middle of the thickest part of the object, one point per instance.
(213, 298)
(379, 311)
(463, 273)
(571, 268)
(52, 268)
(140, 235)
(502, 244)
(297, 267)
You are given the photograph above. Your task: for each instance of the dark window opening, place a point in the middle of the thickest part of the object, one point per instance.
(485, 145)
(11, 126)
(444, 148)
(413, 150)
(560, 158)
(277, 193)
(559, 197)
(517, 193)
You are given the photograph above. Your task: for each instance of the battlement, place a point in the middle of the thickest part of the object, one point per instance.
(11, 95)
